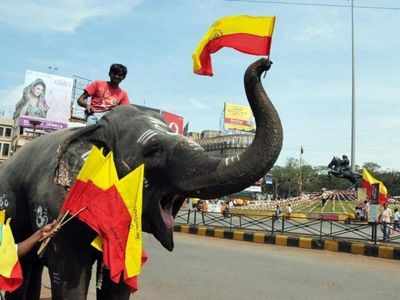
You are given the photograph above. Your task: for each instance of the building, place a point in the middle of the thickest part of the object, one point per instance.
(23, 134)
(222, 145)
(6, 133)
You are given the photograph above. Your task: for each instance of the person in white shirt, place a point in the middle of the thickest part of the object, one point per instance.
(385, 218)
(289, 210)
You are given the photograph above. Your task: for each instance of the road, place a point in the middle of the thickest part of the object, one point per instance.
(209, 268)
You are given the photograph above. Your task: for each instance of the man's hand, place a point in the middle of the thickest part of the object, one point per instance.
(48, 230)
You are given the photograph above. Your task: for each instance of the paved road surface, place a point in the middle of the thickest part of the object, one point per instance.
(209, 268)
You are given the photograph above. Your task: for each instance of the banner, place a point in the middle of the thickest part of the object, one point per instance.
(174, 122)
(238, 117)
(45, 100)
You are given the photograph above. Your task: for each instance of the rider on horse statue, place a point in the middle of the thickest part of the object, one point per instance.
(341, 168)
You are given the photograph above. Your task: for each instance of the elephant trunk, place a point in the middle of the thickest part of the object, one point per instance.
(230, 175)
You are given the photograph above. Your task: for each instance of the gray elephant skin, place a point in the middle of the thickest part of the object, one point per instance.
(34, 182)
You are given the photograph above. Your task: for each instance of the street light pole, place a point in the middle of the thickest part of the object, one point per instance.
(353, 94)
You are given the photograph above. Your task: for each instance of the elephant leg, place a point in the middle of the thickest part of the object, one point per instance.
(110, 290)
(70, 272)
(30, 289)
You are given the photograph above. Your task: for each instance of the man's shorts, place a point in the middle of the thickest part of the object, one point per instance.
(94, 118)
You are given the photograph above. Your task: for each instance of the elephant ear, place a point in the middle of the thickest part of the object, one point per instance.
(71, 154)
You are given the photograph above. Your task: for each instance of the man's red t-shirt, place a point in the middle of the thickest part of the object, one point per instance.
(104, 96)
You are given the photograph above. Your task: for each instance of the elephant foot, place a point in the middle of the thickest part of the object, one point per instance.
(110, 290)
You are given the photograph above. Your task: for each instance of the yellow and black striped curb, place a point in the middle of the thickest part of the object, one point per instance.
(292, 241)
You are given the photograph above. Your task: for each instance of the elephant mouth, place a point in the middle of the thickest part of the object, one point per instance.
(168, 210)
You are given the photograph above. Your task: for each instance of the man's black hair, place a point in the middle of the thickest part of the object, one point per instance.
(119, 69)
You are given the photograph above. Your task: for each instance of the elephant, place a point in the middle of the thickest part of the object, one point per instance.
(37, 177)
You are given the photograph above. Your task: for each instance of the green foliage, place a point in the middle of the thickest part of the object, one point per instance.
(286, 179)
(372, 167)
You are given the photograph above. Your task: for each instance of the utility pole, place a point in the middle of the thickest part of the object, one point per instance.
(353, 95)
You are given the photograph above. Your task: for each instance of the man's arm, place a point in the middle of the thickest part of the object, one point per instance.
(82, 101)
(25, 246)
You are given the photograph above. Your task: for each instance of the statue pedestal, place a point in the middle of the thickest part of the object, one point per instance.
(361, 194)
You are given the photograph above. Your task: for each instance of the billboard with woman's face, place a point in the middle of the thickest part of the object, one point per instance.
(45, 101)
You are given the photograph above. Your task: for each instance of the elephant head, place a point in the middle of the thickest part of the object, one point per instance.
(175, 167)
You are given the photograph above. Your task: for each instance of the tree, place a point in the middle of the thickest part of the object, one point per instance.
(372, 167)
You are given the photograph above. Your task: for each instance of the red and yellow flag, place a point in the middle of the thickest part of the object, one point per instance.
(247, 34)
(10, 269)
(114, 209)
(368, 180)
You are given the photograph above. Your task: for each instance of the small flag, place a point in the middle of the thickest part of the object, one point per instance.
(368, 180)
(247, 34)
(10, 269)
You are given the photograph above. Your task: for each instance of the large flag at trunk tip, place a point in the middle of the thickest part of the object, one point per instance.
(368, 180)
(247, 34)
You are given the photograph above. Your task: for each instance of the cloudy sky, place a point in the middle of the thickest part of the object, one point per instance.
(310, 81)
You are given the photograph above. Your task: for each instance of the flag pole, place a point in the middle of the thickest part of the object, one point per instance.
(269, 52)
(300, 171)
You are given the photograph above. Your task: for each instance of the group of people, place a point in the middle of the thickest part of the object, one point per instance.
(362, 211)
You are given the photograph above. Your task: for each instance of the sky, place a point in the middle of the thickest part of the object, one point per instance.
(310, 82)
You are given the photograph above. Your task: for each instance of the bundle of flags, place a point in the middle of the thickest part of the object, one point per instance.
(10, 269)
(112, 207)
(248, 34)
(368, 180)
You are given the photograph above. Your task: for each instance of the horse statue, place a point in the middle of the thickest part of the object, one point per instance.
(340, 167)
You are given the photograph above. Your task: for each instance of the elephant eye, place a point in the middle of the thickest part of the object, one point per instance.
(152, 149)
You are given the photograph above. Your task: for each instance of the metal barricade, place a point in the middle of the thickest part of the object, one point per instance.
(315, 227)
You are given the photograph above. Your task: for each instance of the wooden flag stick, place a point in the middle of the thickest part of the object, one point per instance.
(46, 241)
(73, 216)
(60, 224)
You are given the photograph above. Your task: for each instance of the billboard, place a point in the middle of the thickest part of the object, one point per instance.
(174, 122)
(238, 117)
(268, 179)
(45, 101)
(78, 112)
